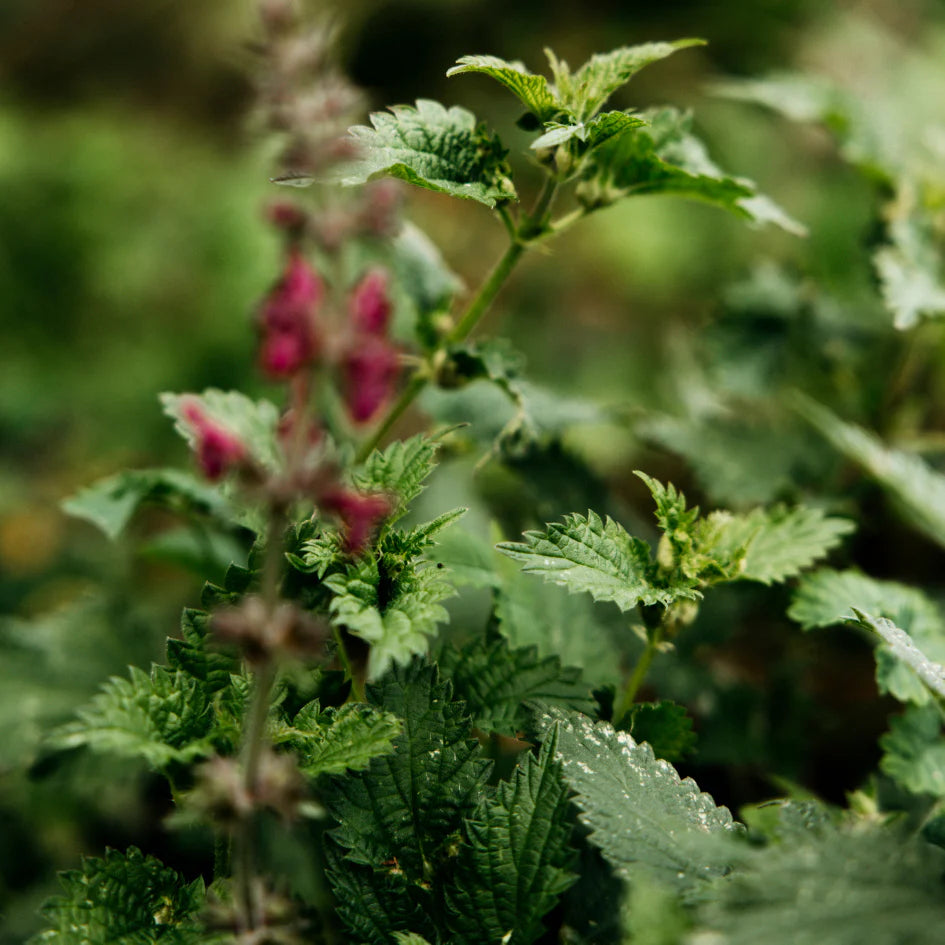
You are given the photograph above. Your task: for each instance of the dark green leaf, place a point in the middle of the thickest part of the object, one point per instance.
(664, 726)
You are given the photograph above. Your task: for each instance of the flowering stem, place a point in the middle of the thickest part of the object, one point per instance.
(531, 229)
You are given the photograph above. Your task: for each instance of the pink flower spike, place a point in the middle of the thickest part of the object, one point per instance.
(370, 303)
(370, 370)
(360, 513)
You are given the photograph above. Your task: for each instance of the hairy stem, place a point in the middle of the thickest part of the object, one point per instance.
(529, 230)
(357, 685)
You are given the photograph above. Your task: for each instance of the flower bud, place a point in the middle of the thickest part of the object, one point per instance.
(370, 304)
(218, 450)
(360, 513)
(370, 369)
(287, 320)
(287, 216)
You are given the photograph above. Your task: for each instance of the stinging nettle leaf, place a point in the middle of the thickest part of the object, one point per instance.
(914, 751)
(591, 133)
(438, 148)
(125, 899)
(644, 818)
(515, 864)
(530, 89)
(110, 503)
(593, 555)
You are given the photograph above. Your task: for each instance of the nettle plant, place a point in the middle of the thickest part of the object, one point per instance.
(369, 779)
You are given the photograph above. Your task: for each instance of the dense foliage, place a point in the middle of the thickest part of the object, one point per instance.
(396, 718)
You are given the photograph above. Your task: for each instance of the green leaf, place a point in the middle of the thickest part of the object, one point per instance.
(337, 740)
(664, 726)
(530, 89)
(666, 158)
(516, 861)
(192, 655)
(911, 269)
(832, 886)
(409, 938)
(785, 541)
(593, 555)
(399, 470)
(930, 673)
(644, 818)
(392, 603)
(559, 624)
(825, 598)
(590, 133)
(466, 558)
(161, 718)
(917, 489)
(399, 819)
(110, 503)
(253, 422)
(495, 681)
(605, 73)
(914, 751)
(125, 899)
(441, 149)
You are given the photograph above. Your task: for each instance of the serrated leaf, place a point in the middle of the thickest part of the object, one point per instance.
(644, 818)
(440, 149)
(918, 490)
(593, 555)
(466, 558)
(394, 613)
(664, 157)
(914, 751)
(590, 133)
(337, 739)
(664, 726)
(516, 861)
(253, 422)
(495, 681)
(826, 597)
(785, 541)
(399, 470)
(834, 886)
(409, 938)
(125, 899)
(911, 270)
(161, 717)
(930, 673)
(530, 89)
(605, 73)
(192, 655)
(110, 503)
(398, 818)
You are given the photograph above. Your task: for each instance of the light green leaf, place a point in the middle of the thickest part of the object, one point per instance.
(110, 503)
(644, 818)
(827, 597)
(496, 681)
(605, 73)
(530, 89)
(516, 862)
(337, 740)
(125, 899)
(593, 555)
(914, 751)
(785, 541)
(253, 422)
(590, 133)
(911, 269)
(930, 673)
(832, 886)
(918, 489)
(666, 158)
(161, 718)
(441, 149)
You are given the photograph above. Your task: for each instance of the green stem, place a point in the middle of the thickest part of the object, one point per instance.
(530, 230)
(357, 686)
(622, 705)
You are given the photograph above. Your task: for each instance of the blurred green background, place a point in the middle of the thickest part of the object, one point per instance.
(132, 252)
